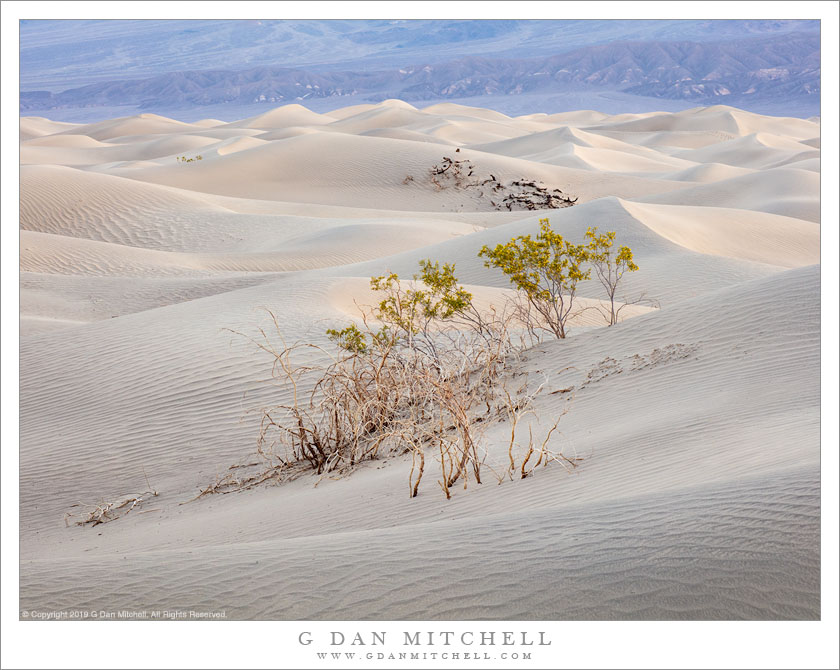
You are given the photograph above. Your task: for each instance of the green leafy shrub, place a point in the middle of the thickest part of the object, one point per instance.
(609, 264)
(546, 270)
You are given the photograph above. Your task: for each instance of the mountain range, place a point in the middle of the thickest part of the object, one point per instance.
(174, 65)
(769, 67)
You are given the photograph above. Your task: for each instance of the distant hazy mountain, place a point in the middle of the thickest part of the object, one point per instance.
(734, 71)
(59, 55)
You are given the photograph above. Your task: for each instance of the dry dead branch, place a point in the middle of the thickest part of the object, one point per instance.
(518, 194)
(433, 393)
(103, 512)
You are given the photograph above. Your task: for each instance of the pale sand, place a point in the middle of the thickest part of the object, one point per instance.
(699, 493)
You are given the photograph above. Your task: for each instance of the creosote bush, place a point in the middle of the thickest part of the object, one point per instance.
(547, 269)
(424, 372)
(609, 265)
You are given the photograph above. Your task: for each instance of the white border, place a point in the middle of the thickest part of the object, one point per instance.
(273, 644)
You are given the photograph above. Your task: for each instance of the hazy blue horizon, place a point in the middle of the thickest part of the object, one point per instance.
(92, 69)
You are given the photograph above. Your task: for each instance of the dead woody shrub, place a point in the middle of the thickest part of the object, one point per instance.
(102, 512)
(422, 373)
(517, 194)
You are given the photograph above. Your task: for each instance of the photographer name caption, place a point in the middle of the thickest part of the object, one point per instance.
(122, 615)
(425, 645)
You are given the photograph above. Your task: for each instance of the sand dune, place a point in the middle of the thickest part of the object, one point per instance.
(55, 301)
(607, 160)
(345, 112)
(37, 126)
(282, 117)
(585, 117)
(170, 146)
(764, 238)
(697, 415)
(708, 172)
(758, 445)
(809, 164)
(403, 134)
(283, 133)
(757, 151)
(70, 141)
(142, 124)
(385, 116)
(749, 122)
(69, 202)
(572, 147)
(675, 272)
(235, 144)
(665, 141)
(719, 118)
(324, 247)
(449, 109)
(57, 254)
(208, 123)
(298, 169)
(456, 127)
(784, 191)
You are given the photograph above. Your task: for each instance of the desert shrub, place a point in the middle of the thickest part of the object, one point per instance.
(429, 361)
(546, 271)
(513, 195)
(423, 373)
(609, 265)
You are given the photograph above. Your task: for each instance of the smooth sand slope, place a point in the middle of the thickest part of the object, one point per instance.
(697, 416)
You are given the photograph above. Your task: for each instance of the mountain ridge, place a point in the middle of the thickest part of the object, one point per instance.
(751, 69)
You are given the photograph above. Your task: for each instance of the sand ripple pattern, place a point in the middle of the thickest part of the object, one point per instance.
(713, 553)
